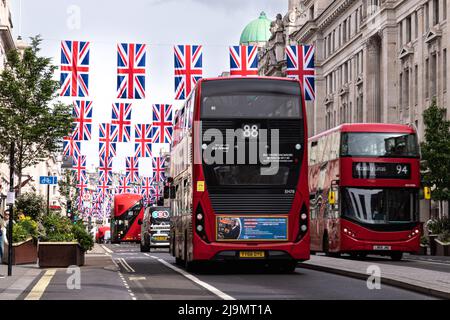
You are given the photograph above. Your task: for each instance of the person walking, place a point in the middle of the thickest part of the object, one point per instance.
(3, 238)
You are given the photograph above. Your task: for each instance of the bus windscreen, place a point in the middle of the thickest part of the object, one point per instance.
(252, 99)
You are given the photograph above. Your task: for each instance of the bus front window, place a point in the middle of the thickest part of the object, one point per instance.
(380, 206)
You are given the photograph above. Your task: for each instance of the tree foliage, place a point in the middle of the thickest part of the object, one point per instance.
(436, 152)
(30, 115)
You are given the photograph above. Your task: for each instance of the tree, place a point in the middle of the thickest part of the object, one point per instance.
(30, 115)
(31, 205)
(436, 152)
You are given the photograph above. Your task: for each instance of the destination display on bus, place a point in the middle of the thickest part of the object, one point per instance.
(375, 170)
(252, 228)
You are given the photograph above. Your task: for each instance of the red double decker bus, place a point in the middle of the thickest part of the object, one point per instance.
(238, 174)
(127, 211)
(364, 190)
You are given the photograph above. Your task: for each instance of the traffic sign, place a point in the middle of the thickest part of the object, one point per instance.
(48, 180)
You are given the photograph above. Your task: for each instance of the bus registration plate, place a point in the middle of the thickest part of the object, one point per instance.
(251, 254)
(383, 248)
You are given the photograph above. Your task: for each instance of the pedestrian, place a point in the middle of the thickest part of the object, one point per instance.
(3, 238)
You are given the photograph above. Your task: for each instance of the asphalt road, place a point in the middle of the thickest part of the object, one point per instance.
(124, 273)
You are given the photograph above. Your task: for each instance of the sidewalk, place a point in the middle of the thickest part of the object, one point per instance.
(98, 249)
(22, 277)
(421, 280)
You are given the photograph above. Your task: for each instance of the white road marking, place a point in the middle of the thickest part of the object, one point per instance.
(126, 265)
(108, 250)
(196, 280)
(136, 278)
(39, 289)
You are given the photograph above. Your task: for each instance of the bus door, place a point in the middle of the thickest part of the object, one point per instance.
(331, 216)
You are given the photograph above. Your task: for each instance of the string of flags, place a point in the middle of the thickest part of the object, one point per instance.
(131, 85)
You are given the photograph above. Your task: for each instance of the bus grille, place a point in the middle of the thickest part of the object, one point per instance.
(251, 203)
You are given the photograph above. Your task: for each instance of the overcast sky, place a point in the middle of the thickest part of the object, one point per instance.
(161, 24)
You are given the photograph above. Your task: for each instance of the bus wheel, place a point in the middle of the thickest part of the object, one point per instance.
(289, 267)
(396, 256)
(179, 261)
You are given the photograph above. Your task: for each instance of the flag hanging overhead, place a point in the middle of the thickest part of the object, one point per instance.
(124, 186)
(121, 117)
(82, 113)
(131, 71)
(103, 189)
(147, 189)
(243, 61)
(162, 123)
(107, 136)
(105, 169)
(71, 147)
(300, 66)
(132, 169)
(143, 140)
(188, 69)
(74, 69)
(79, 165)
(159, 166)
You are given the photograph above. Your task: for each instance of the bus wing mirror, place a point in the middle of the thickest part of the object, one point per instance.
(427, 193)
(139, 221)
(332, 197)
(172, 192)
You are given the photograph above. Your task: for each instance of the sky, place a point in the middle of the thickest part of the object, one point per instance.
(161, 24)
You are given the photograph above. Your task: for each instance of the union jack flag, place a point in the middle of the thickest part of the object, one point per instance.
(300, 66)
(159, 166)
(131, 71)
(147, 189)
(71, 147)
(107, 136)
(143, 140)
(79, 165)
(188, 69)
(82, 112)
(243, 61)
(132, 169)
(124, 186)
(105, 169)
(121, 116)
(103, 189)
(162, 123)
(82, 189)
(74, 69)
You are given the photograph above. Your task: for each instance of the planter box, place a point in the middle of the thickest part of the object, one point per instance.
(442, 249)
(23, 252)
(423, 250)
(60, 254)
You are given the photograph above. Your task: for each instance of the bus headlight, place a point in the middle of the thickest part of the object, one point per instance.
(303, 223)
(200, 223)
(304, 216)
(199, 228)
(303, 228)
(199, 216)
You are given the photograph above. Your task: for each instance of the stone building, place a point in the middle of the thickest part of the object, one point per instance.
(376, 60)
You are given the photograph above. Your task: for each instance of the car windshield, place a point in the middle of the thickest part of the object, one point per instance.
(394, 145)
(380, 206)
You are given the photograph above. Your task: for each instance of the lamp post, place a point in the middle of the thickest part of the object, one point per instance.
(11, 208)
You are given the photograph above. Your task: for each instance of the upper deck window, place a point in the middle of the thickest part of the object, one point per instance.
(389, 145)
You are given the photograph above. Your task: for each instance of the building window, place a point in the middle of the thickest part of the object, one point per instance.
(344, 26)
(444, 9)
(350, 119)
(401, 92)
(408, 29)
(427, 17)
(434, 73)
(427, 78)
(311, 12)
(416, 84)
(435, 12)
(416, 26)
(400, 33)
(445, 68)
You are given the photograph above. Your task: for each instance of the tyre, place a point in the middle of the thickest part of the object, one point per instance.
(396, 256)
(288, 267)
(179, 262)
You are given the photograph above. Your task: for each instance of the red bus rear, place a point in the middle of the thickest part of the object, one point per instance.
(230, 210)
(364, 190)
(128, 209)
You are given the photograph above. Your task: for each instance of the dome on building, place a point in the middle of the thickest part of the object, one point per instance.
(256, 32)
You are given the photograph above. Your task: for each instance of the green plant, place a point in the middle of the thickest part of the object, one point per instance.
(438, 226)
(82, 236)
(444, 237)
(424, 241)
(31, 205)
(57, 228)
(24, 229)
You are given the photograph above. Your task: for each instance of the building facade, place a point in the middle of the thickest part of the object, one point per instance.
(376, 60)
